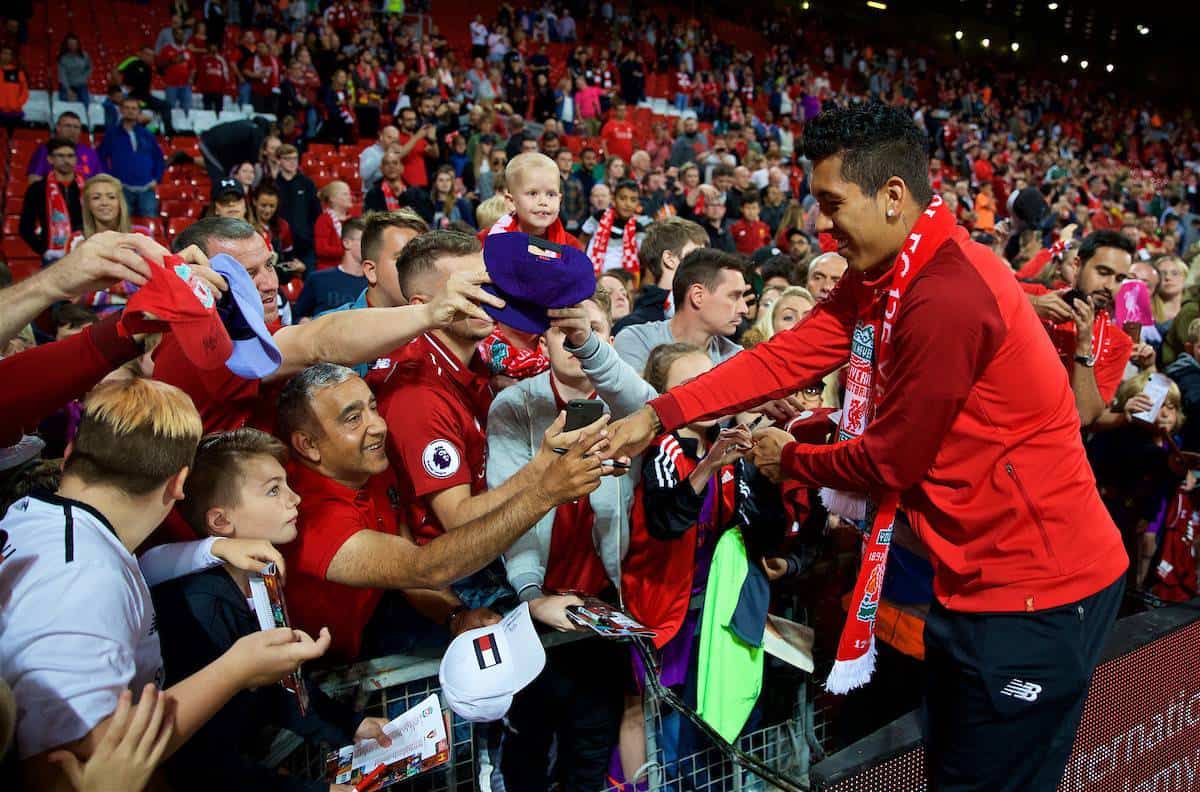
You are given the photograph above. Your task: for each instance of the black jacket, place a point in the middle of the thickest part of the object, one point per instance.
(199, 617)
(299, 205)
(650, 306)
(34, 228)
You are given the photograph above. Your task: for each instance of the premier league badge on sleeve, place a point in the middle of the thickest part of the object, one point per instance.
(440, 459)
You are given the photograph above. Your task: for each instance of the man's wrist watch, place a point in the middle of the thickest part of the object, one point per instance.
(1086, 360)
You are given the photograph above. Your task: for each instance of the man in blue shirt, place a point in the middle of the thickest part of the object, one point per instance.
(328, 289)
(130, 153)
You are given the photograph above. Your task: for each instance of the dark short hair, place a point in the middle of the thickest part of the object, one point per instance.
(216, 473)
(352, 225)
(422, 254)
(74, 316)
(672, 234)
(265, 188)
(625, 184)
(724, 169)
(750, 197)
(56, 143)
(779, 266)
(376, 223)
(68, 114)
(202, 232)
(877, 142)
(1102, 239)
(703, 267)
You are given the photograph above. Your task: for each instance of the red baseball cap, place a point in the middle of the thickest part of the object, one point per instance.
(184, 305)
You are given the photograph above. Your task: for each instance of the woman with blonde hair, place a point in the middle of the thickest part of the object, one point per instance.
(336, 200)
(104, 209)
(1172, 278)
(792, 305)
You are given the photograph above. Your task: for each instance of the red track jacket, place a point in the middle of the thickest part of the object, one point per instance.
(977, 429)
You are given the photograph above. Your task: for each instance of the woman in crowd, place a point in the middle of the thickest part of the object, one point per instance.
(1172, 274)
(244, 174)
(615, 169)
(448, 206)
(491, 181)
(336, 200)
(104, 209)
(793, 304)
(74, 71)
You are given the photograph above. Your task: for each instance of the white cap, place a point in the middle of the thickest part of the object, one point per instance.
(484, 667)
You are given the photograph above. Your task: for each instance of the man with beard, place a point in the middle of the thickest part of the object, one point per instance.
(958, 413)
(417, 143)
(1080, 322)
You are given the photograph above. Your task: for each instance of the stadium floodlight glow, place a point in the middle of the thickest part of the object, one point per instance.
(878, 6)
(1083, 64)
(1143, 29)
(1109, 68)
(804, 6)
(987, 42)
(1064, 57)
(1053, 6)
(958, 34)
(1015, 46)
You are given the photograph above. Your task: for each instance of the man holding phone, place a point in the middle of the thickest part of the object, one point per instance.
(1092, 347)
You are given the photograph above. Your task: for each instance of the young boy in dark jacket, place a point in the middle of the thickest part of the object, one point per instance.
(238, 489)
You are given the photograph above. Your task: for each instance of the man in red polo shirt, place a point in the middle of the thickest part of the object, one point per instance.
(618, 132)
(352, 543)
(436, 403)
(227, 401)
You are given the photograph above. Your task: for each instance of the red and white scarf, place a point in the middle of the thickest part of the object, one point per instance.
(389, 196)
(337, 224)
(58, 217)
(555, 233)
(629, 248)
(866, 381)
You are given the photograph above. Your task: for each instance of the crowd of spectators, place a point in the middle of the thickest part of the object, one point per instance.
(403, 462)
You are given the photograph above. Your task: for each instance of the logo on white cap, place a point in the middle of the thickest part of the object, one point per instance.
(483, 668)
(440, 459)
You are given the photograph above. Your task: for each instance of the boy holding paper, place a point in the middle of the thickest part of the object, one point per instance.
(238, 489)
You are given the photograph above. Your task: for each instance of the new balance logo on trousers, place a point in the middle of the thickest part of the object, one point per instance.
(1018, 689)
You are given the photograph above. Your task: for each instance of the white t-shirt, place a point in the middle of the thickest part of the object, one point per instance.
(77, 627)
(479, 34)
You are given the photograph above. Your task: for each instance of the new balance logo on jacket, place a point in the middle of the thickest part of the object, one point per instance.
(1026, 691)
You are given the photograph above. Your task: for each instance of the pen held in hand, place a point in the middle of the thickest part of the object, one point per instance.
(613, 462)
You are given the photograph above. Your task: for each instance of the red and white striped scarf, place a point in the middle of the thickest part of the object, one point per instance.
(337, 224)
(389, 196)
(629, 248)
(866, 381)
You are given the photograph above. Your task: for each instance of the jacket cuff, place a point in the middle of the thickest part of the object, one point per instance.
(528, 586)
(109, 342)
(788, 462)
(587, 349)
(670, 415)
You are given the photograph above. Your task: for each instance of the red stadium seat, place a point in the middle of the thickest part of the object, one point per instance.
(12, 225)
(22, 267)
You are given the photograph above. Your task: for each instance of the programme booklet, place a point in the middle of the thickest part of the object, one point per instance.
(419, 745)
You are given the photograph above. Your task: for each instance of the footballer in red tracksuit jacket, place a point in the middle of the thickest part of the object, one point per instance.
(977, 430)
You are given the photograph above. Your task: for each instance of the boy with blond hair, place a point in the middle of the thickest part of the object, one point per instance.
(78, 628)
(533, 185)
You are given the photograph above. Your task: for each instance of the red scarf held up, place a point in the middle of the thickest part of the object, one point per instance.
(58, 216)
(629, 249)
(866, 381)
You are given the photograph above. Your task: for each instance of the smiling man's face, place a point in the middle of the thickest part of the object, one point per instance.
(857, 222)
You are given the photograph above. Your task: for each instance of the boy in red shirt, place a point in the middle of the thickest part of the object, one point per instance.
(750, 233)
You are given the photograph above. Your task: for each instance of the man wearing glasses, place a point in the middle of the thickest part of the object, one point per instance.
(52, 210)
